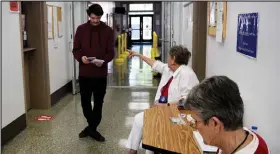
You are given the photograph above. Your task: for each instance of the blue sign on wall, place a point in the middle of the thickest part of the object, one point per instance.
(247, 34)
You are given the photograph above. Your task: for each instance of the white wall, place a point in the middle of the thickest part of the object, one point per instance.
(60, 50)
(182, 25)
(178, 18)
(80, 13)
(80, 17)
(107, 8)
(12, 74)
(187, 28)
(177, 21)
(258, 79)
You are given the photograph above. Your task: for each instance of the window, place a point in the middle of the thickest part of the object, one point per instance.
(141, 7)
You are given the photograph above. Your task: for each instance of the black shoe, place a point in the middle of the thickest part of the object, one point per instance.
(97, 136)
(84, 133)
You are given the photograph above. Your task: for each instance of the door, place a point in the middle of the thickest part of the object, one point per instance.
(142, 28)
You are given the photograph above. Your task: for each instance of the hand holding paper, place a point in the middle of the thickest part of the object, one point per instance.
(98, 62)
(85, 60)
(90, 58)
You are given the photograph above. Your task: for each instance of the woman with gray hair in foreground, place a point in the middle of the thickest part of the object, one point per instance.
(217, 113)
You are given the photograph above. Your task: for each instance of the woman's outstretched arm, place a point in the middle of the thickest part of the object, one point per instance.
(148, 60)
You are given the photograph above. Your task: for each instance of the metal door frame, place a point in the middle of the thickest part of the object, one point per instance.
(75, 88)
(167, 43)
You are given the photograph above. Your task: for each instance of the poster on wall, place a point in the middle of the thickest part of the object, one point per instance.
(212, 14)
(14, 7)
(219, 24)
(247, 34)
(50, 22)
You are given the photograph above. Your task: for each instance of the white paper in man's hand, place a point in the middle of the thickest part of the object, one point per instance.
(99, 61)
(91, 58)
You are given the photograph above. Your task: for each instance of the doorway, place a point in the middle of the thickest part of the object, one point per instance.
(141, 28)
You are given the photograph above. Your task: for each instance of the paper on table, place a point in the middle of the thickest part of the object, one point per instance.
(177, 120)
(203, 147)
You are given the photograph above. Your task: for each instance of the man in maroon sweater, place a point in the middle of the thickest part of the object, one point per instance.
(93, 40)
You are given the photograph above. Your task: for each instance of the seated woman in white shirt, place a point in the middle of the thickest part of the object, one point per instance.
(217, 113)
(176, 81)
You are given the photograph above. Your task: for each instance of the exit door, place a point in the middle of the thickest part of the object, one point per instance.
(142, 28)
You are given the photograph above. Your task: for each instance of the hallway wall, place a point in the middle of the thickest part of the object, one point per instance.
(180, 18)
(182, 22)
(258, 79)
(12, 78)
(59, 49)
(80, 17)
(187, 28)
(107, 8)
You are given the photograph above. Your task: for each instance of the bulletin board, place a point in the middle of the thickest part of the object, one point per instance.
(54, 20)
(212, 10)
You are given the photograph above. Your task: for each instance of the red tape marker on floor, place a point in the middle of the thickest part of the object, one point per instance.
(44, 118)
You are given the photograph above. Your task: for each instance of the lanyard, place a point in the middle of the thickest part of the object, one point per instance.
(247, 134)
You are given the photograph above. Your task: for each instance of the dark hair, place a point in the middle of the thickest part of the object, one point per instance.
(217, 96)
(95, 9)
(181, 54)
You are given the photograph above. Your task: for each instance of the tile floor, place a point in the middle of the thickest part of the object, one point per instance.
(60, 135)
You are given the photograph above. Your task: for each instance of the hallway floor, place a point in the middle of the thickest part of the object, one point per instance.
(126, 96)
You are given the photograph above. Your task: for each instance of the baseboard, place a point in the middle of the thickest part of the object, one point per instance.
(61, 92)
(13, 129)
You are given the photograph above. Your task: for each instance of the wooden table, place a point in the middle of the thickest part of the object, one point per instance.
(161, 135)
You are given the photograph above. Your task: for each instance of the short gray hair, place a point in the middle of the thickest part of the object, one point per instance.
(218, 96)
(181, 54)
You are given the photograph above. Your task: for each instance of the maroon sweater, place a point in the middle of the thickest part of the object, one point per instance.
(94, 41)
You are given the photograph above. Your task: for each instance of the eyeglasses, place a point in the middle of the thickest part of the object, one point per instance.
(193, 123)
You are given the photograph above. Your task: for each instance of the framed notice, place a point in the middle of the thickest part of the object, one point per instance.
(50, 22)
(219, 22)
(247, 34)
(14, 7)
(59, 21)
